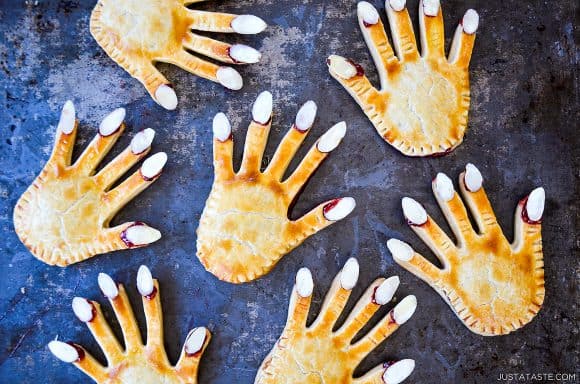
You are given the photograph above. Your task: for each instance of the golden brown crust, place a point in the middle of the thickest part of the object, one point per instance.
(137, 34)
(493, 286)
(63, 216)
(138, 362)
(316, 353)
(422, 105)
(244, 228)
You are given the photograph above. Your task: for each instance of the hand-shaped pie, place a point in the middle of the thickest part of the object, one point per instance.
(317, 354)
(63, 217)
(136, 34)
(493, 286)
(244, 229)
(136, 363)
(421, 108)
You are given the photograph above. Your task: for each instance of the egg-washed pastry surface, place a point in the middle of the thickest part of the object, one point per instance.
(317, 353)
(137, 34)
(492, 285)
(422, 103)
(136, 362)
(63, 217)
(244, 229)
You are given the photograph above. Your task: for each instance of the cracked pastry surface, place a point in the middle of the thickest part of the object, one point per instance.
(244, 228)
(422, 104)
(137, 34)
(493, 286)
(63, 217)
(319, 354)
(136, 363)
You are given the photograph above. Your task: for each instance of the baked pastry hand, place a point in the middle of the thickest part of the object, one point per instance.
(63, 217)
(317, 354)
(244, 229)
(422, 105)
(493, 286)
(136, 363)
(137, 34)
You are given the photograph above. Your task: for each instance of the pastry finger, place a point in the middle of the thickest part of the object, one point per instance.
(376, 39)
(300, 300)
(338, 295)
(380, 292)
(149, 290)
(89, 312)
(226, 76)
(319, 151)
(402, 30)
(195, 344)
(123, 310)
(528, 223)
(453, 208)
(322, 216)
(224, 52)
(464, 39)
(129, 235)
(471, 187)
(225, 22)
(406, 257)
(139, 148)
(386, 326)
(292, 140)
(74, 353)
(428, 230)
(157, 85)
(431, 29)
(388, 373)
(109, 131)
(352, 77)
(66, 132)
(223, 146)
(257, 135)
(150, 171)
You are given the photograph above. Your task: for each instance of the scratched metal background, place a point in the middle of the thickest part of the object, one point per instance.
(523, 132)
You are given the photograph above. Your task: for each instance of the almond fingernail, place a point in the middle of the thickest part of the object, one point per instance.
(444, 187)
(535, 205)
(66, 124)
(229, 78)
(244, 54)
(413, 211)
(142, 141)
(405, 309)
(112, 122)
(398, 371)
(83, 309)
(470, 21)
(400, 250)
(139, 234)
(166, 97)
(64, 351)
(332, 138)
(338, 209)
(473, 179)
(397, 5)
(145, 284)
(431, 7)
(385, 292)
(367, 13)
(222, 129)
(195, 340)
(344, 68)
(304, 282)
(152, 166)
(305, 116)
(248, 24)
(349, 274)
(262, 108)
(108, 286)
